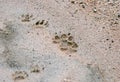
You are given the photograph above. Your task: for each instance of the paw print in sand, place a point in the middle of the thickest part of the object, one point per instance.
(35, 69)
(65, 42)
(19, 75)
(26, 17)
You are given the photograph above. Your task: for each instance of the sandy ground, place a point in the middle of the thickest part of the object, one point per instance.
(30, 53)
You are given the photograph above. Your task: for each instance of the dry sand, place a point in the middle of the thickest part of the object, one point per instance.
(27, 50)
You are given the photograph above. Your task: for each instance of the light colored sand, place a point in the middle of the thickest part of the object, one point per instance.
(95, 29)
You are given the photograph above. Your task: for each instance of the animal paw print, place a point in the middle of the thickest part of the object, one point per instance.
(41, 23)
(66, 42)
(26, 17)
(35, 69)
(19, 75)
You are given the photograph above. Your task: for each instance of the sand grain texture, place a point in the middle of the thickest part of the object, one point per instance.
(29, 54)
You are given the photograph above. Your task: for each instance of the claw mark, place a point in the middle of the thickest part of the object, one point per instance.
(41, 23)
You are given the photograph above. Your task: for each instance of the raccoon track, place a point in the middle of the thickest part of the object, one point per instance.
(66, 42)
(26, 17)
(19, 75)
